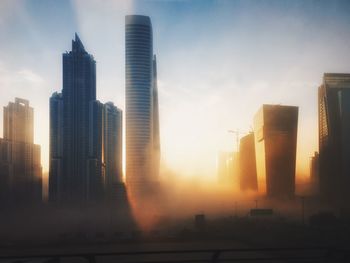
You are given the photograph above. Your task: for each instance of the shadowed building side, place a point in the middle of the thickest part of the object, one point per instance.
(56, 146)
(96, 161)
(275, 129)
(247, 164)
(334, 139)
(85, 134)
(79, 89)
(113, 150)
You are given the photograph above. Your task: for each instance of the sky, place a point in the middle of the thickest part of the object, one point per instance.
(218, 62)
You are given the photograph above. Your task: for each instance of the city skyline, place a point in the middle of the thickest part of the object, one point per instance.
(180, 84)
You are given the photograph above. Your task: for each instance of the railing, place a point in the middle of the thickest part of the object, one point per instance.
(186, 256)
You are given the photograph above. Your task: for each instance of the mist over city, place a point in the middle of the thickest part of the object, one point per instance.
(174, 131)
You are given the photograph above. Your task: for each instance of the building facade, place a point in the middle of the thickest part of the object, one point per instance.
(142, 121)
(56, 146)
(247, 164)
(85, 134)
(113, 144)
(20, 158)
(72, 138)
(334, 138)
(275, 129)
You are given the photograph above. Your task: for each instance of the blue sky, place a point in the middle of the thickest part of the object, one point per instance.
(218, 61)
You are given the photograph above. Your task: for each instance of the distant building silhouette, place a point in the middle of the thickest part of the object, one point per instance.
(142, 116)
(85, 134)
(247, 163)
(225, 167)
(20, 164)
(275, 129)
(113, 148)
(334, 138)
(96, 158)
(56, 146)
(314, 171)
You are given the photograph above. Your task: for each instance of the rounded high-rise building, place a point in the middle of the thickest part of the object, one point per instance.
(139, 109)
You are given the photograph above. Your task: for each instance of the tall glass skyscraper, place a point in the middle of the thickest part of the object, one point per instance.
(334, 139)
(70, 126)
(141, 103)
(85, 134)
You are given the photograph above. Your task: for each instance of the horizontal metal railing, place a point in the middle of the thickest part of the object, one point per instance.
(316, 254)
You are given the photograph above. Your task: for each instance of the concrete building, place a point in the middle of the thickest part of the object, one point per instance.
(275, 129)
(247, 164)
(56, 146)
(20, 159)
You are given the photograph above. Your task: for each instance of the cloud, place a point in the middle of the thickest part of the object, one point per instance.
(20, 79)
(30, 76)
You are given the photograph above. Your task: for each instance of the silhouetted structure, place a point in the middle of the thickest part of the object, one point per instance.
(142, 120)
(226, 167)
(247, 163)
(113, 149)
(96, 160)
(56, 145)
(334, 138)
(68, 178)
(20, 164)
(275, 129)
(85, 134)
(314, 171)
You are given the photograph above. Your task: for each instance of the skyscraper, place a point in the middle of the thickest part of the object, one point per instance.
(85, 134)
(334, 138)
(275, 129)
(19, 121)
(113, 144)
(142, 121)
(56, 145)
(70, 126)
(247, 163)
(20, 164)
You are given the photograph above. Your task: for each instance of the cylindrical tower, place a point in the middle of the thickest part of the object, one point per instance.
(138, 81)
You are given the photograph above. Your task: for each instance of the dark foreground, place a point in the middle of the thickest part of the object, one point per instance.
(218, 251)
